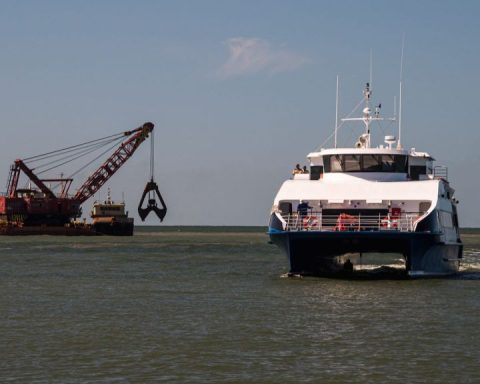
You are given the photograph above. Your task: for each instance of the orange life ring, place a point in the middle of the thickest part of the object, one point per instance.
(389, 222)
(345, 221)
(310, 221)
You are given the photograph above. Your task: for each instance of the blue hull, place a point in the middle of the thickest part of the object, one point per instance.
(319, 252)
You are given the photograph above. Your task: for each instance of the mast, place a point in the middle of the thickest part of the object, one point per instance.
(399, 143)
(371, 67)
(366, 113)
(336, 115)
(367, 118)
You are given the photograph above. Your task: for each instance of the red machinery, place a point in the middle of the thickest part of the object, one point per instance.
(42, 207)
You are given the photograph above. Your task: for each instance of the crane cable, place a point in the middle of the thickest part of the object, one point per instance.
(45, 155)
(151, 194)
(96, 158)
(152, 155)
(84, 166)
(78, 154)
(74, 152)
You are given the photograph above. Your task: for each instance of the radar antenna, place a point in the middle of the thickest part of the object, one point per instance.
(367, 118)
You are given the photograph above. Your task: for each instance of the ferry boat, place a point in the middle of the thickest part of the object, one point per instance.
(110, 218)
(368, 199)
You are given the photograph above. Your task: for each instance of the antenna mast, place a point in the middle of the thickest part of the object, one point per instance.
(399, 143)
(371, 68)
(366, 112)
(368, 116)
(336, 115)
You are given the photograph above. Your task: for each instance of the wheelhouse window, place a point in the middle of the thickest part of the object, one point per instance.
(372, 163)
(352, 163)
(416, 171)
(316, 172)
(334, 164)
(365, 163)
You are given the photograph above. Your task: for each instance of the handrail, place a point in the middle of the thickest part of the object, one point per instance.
(440, 172)
(316, 221)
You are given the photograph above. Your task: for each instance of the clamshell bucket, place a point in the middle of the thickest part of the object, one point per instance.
(151, 189)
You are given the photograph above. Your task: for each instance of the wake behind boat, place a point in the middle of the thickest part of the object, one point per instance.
(365, 199)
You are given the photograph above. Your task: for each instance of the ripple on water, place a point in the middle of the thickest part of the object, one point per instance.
(215, 308)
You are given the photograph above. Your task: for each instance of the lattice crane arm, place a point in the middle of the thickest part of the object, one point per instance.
(114, 162)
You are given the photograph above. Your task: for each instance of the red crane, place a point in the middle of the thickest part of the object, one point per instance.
(32, 207)
(114, 162)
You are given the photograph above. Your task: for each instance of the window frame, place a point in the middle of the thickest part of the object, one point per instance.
(386, 163)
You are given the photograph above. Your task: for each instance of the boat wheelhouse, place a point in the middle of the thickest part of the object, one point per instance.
(366, 199)
(110, 218)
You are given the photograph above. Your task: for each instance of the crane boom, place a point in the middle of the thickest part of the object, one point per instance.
(114, 162)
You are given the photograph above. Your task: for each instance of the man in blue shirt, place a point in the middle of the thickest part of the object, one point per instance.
(303, 208)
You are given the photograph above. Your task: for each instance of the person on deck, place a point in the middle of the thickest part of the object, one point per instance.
(297, 170)
(305, 170)
(303, 208)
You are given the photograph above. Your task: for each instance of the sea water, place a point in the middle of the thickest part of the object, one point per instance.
(198, 305)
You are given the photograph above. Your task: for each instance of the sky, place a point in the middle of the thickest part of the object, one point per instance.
(239, 91)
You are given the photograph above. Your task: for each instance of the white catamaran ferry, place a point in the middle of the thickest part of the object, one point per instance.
(367, 199)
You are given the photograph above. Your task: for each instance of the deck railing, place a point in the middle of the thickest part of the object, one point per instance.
(440, 172)
(316, 221)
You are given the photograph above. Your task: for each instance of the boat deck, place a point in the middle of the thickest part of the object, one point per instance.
(316, 221)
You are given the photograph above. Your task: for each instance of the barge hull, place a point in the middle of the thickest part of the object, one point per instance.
(87, 230)
(54, 231)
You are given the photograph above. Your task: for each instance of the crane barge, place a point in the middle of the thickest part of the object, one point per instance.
(38, 209)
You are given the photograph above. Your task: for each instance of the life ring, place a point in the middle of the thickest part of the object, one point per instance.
(345, 221)
(389, 222)
(310, 222)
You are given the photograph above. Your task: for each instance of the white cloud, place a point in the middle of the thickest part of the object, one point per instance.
(252, 55)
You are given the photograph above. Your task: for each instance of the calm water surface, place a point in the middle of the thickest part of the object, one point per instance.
(202, 305)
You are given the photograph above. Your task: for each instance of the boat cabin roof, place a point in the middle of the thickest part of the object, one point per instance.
(369, 151)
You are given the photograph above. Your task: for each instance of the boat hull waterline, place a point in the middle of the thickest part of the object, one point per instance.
(318, 253)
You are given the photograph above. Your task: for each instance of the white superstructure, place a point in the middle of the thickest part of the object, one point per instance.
(371, 190)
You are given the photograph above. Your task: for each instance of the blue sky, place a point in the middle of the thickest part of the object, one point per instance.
(239, 91)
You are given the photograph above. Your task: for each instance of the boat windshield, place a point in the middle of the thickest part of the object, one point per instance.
(365, 163)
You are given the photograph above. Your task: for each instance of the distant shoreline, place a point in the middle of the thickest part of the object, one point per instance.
(201, 228)
(233, 228)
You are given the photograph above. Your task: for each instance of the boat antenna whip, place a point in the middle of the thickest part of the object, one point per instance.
(399, 143)
(151, 189)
